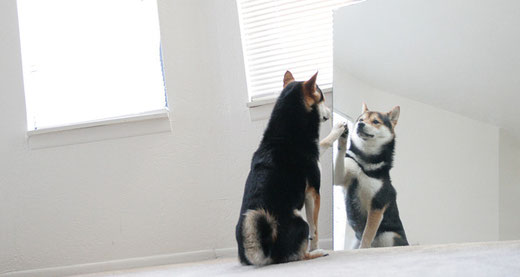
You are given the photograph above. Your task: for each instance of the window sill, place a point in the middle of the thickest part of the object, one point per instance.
(125, 126)
(261, 109)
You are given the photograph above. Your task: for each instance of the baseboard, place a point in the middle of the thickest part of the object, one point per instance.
(123, 264)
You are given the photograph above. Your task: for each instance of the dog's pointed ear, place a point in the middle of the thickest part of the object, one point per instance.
(394, 115)
(287, 78)
(309, 91)
(310, 85)
(364, 109)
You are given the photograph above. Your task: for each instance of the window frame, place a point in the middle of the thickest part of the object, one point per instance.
(160, 113)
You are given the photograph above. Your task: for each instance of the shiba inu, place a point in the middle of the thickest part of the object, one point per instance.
(363, 163)
(284, 175)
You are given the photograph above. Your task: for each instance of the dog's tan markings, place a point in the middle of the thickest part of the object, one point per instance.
(375, 119)
(321, 97)
(311, 96)
(287, 78)
(369, 117)
(374, 218)
(312, 207)
(317, 201)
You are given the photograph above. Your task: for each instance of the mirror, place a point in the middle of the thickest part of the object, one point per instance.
(453, 69)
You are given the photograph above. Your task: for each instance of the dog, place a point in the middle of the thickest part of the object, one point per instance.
(284, 175)
(363, 163)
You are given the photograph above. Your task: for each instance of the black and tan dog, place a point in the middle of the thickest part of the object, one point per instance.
(284, 175)
(363, 168)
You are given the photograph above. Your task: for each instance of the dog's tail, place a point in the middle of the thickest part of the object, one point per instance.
(259, 233)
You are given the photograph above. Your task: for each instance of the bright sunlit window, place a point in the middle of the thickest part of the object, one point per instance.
(280, 35)
(89, 60)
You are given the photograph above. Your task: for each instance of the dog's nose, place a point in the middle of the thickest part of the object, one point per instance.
(361, 124)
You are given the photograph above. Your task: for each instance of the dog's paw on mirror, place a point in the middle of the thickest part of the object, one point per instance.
(345, 132)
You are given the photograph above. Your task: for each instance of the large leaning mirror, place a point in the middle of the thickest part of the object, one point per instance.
(454, 73)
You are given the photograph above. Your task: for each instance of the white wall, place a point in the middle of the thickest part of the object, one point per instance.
(446, 166)
(509, 169)
(437, 52)
(140, 196)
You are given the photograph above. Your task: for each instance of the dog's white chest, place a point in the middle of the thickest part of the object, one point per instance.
(367, 188)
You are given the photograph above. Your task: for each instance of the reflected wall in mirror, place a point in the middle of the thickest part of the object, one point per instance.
(453, 70)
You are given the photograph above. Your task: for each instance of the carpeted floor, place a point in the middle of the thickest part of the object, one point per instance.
(469, 259)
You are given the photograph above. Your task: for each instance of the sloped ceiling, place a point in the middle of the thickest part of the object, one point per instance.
(459, 55)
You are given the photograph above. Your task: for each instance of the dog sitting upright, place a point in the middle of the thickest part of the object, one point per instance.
(364, 170)
(284, 175)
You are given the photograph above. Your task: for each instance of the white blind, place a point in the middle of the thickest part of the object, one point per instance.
(280, 35)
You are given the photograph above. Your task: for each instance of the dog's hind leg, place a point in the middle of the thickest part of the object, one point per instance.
(293, 239)
(312, 209)
(293, 242)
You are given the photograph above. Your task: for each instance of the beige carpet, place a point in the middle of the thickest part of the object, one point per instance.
(470, 259)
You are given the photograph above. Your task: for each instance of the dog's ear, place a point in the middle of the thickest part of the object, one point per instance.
(310, 85)
(394, 115)
(309, 91)
(287, 78)
(364, 109)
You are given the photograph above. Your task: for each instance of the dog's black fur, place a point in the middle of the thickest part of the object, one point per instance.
(284, 164)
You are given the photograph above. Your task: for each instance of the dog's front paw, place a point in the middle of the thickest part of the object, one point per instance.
(342, 140)
(344, 134)
(338, 130)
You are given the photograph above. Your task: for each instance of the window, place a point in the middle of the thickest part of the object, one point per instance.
(88, 60)
(280, 35)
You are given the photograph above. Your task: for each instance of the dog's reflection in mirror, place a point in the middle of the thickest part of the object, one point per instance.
(363, 162)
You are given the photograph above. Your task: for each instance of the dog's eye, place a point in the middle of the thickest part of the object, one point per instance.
(375, 121)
